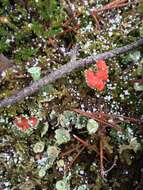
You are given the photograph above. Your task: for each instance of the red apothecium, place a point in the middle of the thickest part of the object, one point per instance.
(97, 80)
(24, 123)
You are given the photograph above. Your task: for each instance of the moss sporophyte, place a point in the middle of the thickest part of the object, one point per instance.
(97, 80)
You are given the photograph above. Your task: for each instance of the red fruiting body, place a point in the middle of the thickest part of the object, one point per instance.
(93, 81)
(90, 78)
(101, 65)
(100, 85)
(102, 75)
(33, 121)
(24, 124)
(97, 80)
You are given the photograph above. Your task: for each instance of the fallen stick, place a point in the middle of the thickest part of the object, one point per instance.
(65, 69)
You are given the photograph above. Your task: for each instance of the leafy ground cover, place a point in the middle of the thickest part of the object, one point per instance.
(74, 134)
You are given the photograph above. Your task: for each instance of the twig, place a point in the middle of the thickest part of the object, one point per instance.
(138, 81)
(5, 63)
(85, 143)
(72, 162)
(72, 29)
(104, 172)
(101, 158)
(73, 53)
(120, 117)
(68, 8)
(114, 4)
(66, 69)
(100, 120)
(94, 16)
(69, 151)
(113, 165)
(67, 22)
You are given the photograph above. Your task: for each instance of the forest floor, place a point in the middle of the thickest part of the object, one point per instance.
(73, 134)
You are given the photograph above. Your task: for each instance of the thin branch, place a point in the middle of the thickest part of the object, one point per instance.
(85, 143)
(66, 69)
(113, 165)
(76, 157)
(101, 157)
(5, 63)
(93, 116)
